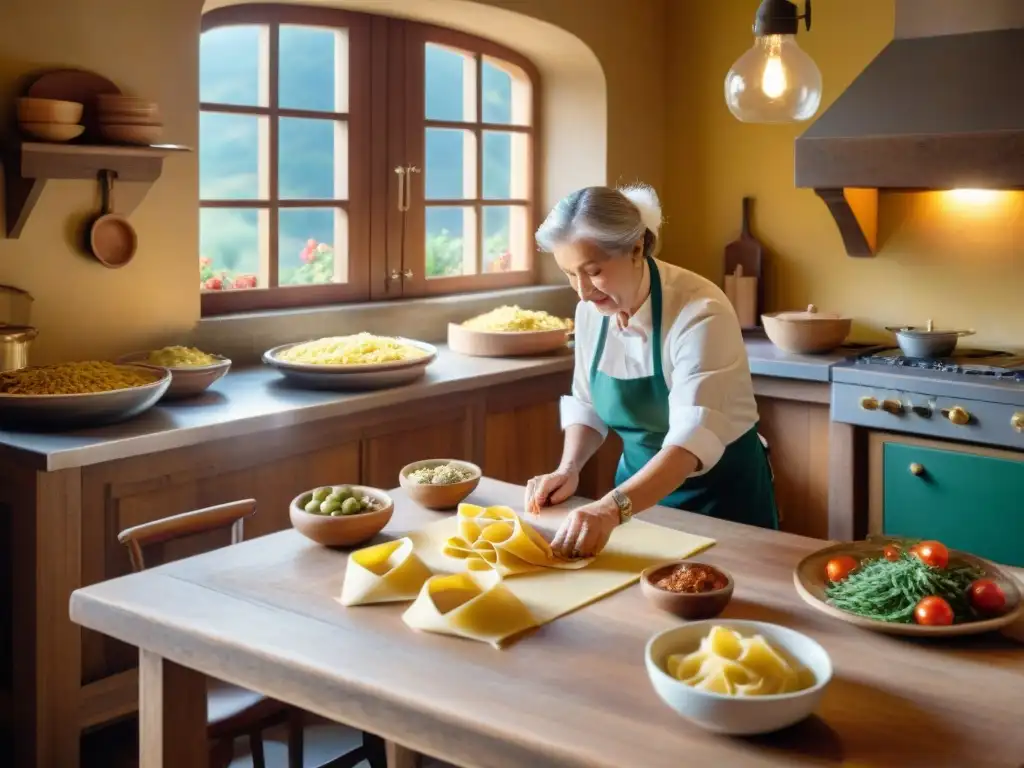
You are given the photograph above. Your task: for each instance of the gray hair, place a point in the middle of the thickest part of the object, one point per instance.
(613, 219)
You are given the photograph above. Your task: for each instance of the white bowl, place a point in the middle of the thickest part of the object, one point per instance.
(738, 715)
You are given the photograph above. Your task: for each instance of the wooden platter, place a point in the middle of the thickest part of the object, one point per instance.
(810, 581)
(466, 341)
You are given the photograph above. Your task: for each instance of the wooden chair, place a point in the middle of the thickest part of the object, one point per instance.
(233, 711)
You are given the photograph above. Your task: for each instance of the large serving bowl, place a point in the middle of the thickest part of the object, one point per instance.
(346, 530)
(439, 496)
(467, 341)
(806, 333)
(738, 715)
(352, 377)
(186, 381)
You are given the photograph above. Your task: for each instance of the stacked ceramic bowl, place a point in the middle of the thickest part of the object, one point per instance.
(50, 119)
(128, 120)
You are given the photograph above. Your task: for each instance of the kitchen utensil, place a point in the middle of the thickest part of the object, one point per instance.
(810, 332)
(15, 306)
(352, 377)
(810, 581)
(738, 715)
(742, 294)
(926, 342)
(345, 530)
(76, 85)
(186, 381)
(439, 496)
(49, 111)
(746, 252)
(466, 341)
(56, 132)
(112, 238)
(14, 343)
(91, 409)
(692, 606)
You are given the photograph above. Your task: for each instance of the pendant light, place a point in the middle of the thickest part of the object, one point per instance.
(775, 81)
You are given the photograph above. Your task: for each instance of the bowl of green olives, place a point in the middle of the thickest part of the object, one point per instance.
(341, 515)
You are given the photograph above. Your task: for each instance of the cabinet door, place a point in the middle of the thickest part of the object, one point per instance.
(968, 502)
(443, 434)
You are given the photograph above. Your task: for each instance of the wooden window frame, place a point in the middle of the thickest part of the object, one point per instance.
(386, 126)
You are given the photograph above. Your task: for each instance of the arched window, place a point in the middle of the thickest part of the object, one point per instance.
(349, 157)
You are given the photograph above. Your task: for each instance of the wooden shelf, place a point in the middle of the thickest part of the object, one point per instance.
(30, 165)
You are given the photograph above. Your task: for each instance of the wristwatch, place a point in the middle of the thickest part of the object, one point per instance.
(625, 505)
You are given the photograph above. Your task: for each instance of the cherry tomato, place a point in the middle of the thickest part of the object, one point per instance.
(987, 596)
(838, 568)
(932, 553)
(891, 553)
(933, 611)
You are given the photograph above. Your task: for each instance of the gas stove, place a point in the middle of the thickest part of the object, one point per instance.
(974, 396)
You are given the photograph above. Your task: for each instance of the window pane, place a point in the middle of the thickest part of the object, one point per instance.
(312, 162)
(505, 238)
(451, 164)
(506, 165)
(232, 65)
(313, 246)
(231, 157)
(450, 77)
(232, 248)
(507, 93)
(313, 70)
(451, 241)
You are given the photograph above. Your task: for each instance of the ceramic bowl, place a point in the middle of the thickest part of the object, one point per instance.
(52, 131)
(439, 497)
(187, 381)
(738, 715)
(346, 530)
(131, 134)
(686, 605)
(32, 110)
(806, 333)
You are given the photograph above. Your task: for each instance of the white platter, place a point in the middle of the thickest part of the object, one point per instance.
(352, 377)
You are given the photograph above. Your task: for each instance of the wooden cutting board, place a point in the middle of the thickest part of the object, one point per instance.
(747, 255)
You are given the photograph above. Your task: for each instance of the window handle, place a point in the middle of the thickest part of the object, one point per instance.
(409, 171)
(400, 172)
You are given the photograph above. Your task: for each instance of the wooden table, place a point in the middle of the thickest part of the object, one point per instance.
(263, 615)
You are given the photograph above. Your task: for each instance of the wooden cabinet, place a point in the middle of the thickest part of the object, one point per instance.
(427, 432)
(967, 497)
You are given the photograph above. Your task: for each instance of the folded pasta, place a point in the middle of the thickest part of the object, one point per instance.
(384, 573)
(728, 663)
(497, 539)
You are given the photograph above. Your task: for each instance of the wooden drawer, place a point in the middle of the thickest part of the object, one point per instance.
(970, 499)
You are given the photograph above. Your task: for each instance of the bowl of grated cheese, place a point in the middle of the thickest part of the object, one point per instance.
(510, 331)
(439, 483)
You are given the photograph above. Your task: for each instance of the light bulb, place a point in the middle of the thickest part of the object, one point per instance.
(773, 82)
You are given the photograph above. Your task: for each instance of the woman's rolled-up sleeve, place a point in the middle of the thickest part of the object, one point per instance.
(577, 408)
(709, 367)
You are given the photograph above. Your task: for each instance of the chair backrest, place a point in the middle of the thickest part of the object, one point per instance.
(199, 521)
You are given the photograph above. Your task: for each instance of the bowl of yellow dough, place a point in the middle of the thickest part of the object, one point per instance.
(192, 370)
(739, 678)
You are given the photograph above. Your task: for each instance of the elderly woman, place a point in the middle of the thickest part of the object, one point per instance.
(660, 360)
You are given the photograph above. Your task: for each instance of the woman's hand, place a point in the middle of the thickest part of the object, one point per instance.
(550, 489)
(586, 530)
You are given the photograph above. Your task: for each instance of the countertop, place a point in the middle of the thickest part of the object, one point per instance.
(255, 399)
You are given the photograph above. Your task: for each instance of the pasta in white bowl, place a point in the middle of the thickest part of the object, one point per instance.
(738, 677)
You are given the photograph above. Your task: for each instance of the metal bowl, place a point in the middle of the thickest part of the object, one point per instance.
(78, 411)
(922, 342)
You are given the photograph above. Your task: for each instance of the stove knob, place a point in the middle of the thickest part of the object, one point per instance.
(895, 407)
(1017, 421)
(869, 403)
(957, 415)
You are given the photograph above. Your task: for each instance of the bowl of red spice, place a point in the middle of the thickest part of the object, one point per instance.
(687, 589)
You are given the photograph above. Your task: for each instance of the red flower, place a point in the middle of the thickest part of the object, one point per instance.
(245, 281)
(214, 284)
(309, 252)
(204, 261)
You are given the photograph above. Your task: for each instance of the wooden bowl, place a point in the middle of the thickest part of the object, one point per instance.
(52, 131)
(504, 343)
(49, 111)
(809, 579)
(186, 381)
(692, 606)
(131, 134)
(439, 497)
(806, 333)
(344, 531)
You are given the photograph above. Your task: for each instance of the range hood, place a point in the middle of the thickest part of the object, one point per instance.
(941, 107)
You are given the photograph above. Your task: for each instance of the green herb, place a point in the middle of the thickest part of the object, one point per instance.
(890, 590)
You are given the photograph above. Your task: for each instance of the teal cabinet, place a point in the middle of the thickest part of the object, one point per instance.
(969, 502)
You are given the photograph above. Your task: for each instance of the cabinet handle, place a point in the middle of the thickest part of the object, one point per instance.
(916, 469)
(400, 172)
(396, 275)
(409, 171)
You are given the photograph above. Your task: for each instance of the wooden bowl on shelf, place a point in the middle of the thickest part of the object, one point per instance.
(344, 530)
(439, 497)
(52, 111)
(55, 132)
(692, 606)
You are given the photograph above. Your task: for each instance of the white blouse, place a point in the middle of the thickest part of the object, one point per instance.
(711, 396)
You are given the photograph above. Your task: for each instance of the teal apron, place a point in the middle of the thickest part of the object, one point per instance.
(737, 488)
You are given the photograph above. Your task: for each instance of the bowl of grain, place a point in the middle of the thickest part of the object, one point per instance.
(687, 589)
(192, 370)
(439, 483)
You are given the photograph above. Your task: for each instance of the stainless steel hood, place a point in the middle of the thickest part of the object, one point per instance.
(941, 107)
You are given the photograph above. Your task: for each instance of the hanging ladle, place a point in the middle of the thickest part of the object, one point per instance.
(112, 238)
